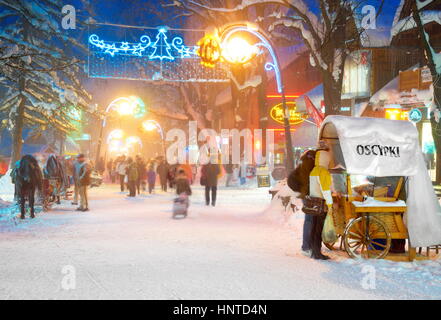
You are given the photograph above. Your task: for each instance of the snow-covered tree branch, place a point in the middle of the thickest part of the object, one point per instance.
(41, 82)
(330, 31)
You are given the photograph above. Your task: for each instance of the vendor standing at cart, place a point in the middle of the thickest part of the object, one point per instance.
(320, 187)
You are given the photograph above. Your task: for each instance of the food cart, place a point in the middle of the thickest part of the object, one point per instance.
(383, 195)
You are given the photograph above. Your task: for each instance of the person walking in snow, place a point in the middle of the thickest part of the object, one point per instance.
(121, 171)
(209, 178)
(132, 176)
(141, 166)
(151, 178)
(82, 172)
(76, 169)
(110, 170)
(172, 175)
(162, 171)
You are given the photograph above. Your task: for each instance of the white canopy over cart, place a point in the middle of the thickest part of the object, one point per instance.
(381, 148)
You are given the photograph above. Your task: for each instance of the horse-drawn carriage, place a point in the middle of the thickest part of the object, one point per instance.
(383, 194)
(55, 182)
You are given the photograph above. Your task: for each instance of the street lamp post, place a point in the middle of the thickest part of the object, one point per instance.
(265, 42)
(126, 107)
(150, 125)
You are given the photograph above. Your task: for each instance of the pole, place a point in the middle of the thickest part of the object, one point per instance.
(288, 140)
(161, 132)
(275, 65)
(100, 138)
(163, 149)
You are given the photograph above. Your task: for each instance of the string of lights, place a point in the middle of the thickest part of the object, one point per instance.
(154, 57)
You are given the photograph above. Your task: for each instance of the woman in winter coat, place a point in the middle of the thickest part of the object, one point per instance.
(151, 178)
(320, 186)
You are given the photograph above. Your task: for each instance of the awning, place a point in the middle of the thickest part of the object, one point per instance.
(382, 147)
(374, 146)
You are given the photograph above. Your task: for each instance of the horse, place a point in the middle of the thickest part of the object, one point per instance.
(28, 178)
(298, 180)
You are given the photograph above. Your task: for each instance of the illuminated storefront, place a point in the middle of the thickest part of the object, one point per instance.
(303, 132)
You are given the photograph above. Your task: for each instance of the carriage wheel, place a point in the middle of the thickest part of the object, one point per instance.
(331, 245)
(367, 237)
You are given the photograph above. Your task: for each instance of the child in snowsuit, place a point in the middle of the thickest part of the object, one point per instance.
(183, 190)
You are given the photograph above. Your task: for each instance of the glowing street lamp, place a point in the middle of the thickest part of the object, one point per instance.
(236, 50)
(116, 134)
(150, 125)
(133, 140)
(125, 106)
(115, 146)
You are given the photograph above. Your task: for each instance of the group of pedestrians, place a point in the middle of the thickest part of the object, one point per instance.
(137, 175)
(132, 174)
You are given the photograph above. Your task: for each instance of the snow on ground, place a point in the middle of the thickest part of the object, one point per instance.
(131, 248)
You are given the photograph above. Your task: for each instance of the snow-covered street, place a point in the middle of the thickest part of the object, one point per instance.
(131, 249)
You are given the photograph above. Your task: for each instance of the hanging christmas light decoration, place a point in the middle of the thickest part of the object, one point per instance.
(209, 50)
(161, 47)
(154, 57)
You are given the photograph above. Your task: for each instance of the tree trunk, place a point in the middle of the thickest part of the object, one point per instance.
(436, 90)
(331, 94)
(437, 141)
(18, 124)
(436, 134)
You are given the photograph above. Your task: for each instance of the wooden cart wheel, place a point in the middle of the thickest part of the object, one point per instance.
(362, 235)
(331, 246)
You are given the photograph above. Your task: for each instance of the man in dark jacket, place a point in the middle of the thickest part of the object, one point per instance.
(209, 177)
(82, 172)
(132, 176)
(162, 171)
(142, 172)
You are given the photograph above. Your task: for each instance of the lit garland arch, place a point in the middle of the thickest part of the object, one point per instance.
(144, 53)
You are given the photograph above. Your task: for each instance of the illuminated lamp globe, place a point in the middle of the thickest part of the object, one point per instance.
(238, 51)
(148, 126)
(126, 108)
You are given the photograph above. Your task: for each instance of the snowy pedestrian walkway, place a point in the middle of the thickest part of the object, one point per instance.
(130, 248)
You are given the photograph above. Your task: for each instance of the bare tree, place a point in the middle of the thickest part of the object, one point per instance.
(434, 63)
(41, 81)
(330, 34)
